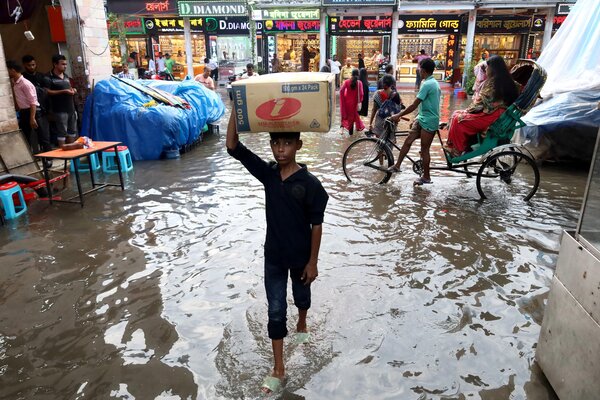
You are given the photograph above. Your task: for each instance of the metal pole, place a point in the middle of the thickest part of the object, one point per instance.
(394, 40)
(548, 27)
(323, 39)
(469, 46)
(187, 33)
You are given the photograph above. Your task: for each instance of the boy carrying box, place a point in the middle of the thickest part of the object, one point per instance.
(295, 205)
(427, 121)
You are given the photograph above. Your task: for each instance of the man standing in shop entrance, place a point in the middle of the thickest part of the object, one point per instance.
(61, 99)
(169, 63)
(346, 70)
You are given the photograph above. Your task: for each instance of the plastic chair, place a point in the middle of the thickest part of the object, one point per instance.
(94, 162)
(109, 163)
(9, 192)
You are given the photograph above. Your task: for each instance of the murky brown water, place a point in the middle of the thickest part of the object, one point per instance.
(156, 292)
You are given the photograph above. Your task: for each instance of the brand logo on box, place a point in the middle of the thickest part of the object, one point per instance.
(278, 109)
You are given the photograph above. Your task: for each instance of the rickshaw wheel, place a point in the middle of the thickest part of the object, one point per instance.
(508, 174)
(366, 160)
(418, 167)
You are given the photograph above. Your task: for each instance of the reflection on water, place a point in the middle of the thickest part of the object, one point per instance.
(156, 292)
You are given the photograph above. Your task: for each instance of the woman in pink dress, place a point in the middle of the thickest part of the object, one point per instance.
(351, 95)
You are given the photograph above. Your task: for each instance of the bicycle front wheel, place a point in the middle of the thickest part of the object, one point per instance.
(367, 160)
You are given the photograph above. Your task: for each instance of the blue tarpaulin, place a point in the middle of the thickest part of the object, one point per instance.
(115, 112)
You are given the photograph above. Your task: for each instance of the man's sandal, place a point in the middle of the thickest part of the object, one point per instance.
(393, 169)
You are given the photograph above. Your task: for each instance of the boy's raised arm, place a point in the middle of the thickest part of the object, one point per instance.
(232, 135)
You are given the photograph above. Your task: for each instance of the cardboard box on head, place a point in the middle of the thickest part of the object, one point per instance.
(285, 102)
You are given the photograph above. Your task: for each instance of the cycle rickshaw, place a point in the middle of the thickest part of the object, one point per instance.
(502, 165)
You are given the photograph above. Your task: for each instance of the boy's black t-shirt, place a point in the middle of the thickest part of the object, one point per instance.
(292, 207)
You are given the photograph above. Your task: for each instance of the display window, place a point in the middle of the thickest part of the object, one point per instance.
(506, 46)
(351, 46)
(409, 46)
(232, 53)
(175, 46)
(132, 45)
(289, 49)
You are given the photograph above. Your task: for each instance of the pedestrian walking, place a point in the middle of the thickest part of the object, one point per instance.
(346, 71)
(205, 79)
(422, 56)
(30, 114)
(351, 97)
(295, 203)
(62, 101)
(160, 62)
(427, 121)
(125, 73)
(363, 77)
(361, 62)
(335, 65)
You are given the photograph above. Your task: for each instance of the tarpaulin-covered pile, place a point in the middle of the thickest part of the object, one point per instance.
(565, 124)
(116, 112)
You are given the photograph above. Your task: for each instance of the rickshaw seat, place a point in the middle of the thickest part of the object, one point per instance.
(503, 129)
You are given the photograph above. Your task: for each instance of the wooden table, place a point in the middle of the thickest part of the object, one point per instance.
(73, 155)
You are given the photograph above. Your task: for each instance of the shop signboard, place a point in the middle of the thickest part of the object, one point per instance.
(358, 3)
(286, 14)
(157, 26)
(564, 8)
(132, 26)
(291, 26)
(229, 26)
(508, 24)
(428, 24)
(140, 7)
(364, 25)
(212, 8)
(451, 48)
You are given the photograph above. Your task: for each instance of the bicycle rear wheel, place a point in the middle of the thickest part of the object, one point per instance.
(367, 160)
(508, 174)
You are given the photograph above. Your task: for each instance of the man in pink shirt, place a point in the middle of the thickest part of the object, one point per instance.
(420, 57)
(29, 109)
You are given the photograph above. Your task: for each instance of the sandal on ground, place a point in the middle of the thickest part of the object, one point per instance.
(422, 181)
(393, 169)
(272, 384)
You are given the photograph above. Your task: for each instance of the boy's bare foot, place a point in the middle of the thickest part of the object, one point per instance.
(273, 382)
(301, 327)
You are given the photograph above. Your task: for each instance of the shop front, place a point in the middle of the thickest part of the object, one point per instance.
(367, 36)
(287, 33)
(436, 34)
(229, 43)
(167, 37)
(127, 35)
(509, 36)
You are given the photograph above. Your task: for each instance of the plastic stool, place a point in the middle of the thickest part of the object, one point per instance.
(8, 192)
(109, 163)
(94, 161)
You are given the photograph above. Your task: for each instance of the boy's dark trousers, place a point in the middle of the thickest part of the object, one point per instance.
(38, 139)
(276, 279)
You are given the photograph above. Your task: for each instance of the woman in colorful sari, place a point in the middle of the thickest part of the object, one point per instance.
(377, 123)
(498, 92)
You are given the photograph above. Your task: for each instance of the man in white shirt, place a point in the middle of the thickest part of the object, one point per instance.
(249, 72)
(335, 65)
(151, 65)
(160, 62)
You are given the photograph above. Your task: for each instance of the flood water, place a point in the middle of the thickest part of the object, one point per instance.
(157, 291)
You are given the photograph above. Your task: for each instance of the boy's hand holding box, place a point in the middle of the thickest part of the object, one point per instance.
(285, 102)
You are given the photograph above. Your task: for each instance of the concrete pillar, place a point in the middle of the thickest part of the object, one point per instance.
(470, 42)
(548, 27)
(8, 116)
(323, 39)
(87, 44)
(394, 40)
(187, 34)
